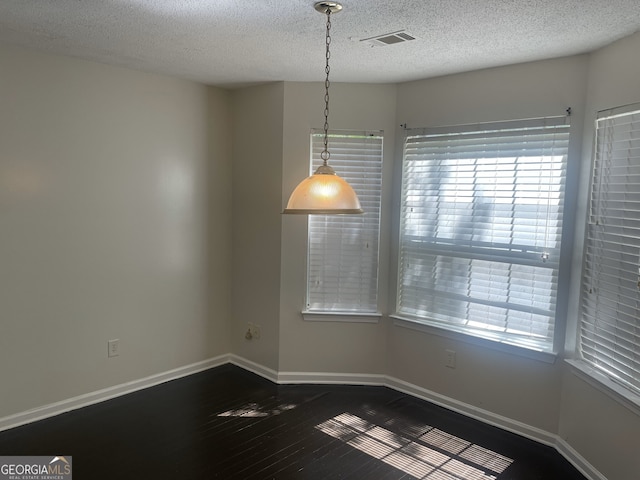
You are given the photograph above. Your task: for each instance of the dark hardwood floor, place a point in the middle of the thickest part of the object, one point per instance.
(227, 423)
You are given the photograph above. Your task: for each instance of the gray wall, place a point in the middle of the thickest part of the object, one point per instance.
(105, 217)
(503, 383)
(596, 423)
(329, 347)
(257, 174)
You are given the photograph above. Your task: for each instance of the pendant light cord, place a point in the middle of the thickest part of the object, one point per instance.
(325, 153)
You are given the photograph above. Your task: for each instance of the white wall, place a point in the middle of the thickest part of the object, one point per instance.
(330, 347)
(507, 385)
(104, 222)
(598, 426)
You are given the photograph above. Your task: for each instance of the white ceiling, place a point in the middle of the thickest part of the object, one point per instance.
(235, 42)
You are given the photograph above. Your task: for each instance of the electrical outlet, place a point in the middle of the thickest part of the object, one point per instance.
(253, 332)
(256, 332)
(451, 359)
(113, 348)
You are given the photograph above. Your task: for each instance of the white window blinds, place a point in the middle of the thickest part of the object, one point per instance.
(342, 266)
(480, 228)
(610, 309)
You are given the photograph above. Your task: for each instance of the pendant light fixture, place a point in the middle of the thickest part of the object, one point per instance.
(324, 192)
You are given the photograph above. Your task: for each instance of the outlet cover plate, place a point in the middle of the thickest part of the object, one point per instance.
(113, 348)
(451, 358)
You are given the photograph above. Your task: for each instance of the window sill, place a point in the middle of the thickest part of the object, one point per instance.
(605, 385)
(343, 317)
(493, 344)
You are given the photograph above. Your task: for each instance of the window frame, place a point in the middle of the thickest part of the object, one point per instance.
(606, 381)
(427, 323)
(355, 314)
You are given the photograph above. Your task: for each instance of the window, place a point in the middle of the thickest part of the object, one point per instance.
(480, 228)
(610, 307)
(342, 265)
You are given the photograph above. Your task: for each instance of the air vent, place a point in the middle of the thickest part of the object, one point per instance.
(389, 38)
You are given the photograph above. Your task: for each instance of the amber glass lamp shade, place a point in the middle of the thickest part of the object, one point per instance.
(323, 193)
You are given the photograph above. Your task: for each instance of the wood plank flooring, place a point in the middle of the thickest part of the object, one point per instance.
(227, 423)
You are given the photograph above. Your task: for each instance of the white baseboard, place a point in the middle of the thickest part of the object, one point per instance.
(254, 367)
(323, 378)
(578, 460)
(485, 416)
(98, 396)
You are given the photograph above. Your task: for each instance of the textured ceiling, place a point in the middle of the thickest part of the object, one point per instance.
(236, 42)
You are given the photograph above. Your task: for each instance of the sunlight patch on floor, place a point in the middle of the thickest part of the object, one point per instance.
(255, 410)
(451, 458)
